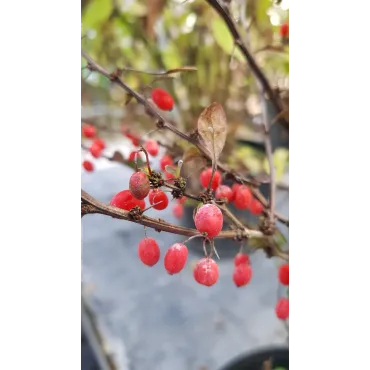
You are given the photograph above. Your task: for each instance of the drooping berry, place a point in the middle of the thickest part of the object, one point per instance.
(166, 160)
(282, 308)
(175, 258)
(125, 200)
(209, 219)
(95, 150)
(205, 177)
(152, 147)
(88, 166)
(162, 99)
(235, 188)
(242, 275)
(139, 185)
(158, 198)
(206, 272)
(178, 210)
(241, 259)
(133, 155)
(256, 207)
(224, 192)
(284, 274)
(149, 251)
(284, 30)
(243, 197)
(88, 131)
(99, 142)
(182, 200)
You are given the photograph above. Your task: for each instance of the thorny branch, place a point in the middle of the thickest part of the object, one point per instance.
(90, 205)
(163, 123)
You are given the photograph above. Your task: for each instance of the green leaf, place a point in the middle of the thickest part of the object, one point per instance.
(281, 160)
(224, 39)
(95, 13)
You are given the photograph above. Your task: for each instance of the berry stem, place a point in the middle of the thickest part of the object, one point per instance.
(193, 237)
(142, 149)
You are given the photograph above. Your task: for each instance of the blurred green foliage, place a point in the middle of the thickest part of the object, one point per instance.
(157, 35)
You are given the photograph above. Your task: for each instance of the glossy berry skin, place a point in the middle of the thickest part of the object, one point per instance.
(209, 219)
(241, 259)
(255, 207)
(88, 131)
(182, 200)
(178, 210)
(242, 275)
(284, 30)
(126, 201)
(235, 188)
(152, 147)
(139, 185)
(159, 198)
(149, 251)
(282, 308)
(205, 177)
(206, 272)
(99, 142)
(175, 258)
(243, 197)
(284, 274)
(166, 160)
(162, 99)
(224, 192)
(95, 150)
(133, 155)
(88, 166)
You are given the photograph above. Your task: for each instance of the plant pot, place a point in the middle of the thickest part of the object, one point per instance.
(255, 360)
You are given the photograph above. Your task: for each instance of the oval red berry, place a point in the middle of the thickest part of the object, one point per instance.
(88, 131)
(152, 147)
(158, 198)
(243, 197)
(224, 192)
(255, 207)
(178, 210)
(282, 308)
(162, 99)
(242, 275)
(284, 274)
(88, 166)
(149, 251)
(209, 219)
(139, 185)
(175, 258)
(206, 272)
(205, 178)
(240, 259)
(125, 200)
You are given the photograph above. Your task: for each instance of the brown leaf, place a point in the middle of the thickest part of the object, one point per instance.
(212, 130)
(193, 163)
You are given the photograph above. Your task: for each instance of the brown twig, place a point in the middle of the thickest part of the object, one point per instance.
(162, 123)
(248, 56)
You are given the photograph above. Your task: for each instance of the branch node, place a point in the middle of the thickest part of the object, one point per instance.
(136, 214)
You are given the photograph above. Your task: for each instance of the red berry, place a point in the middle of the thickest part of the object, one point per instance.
(284, 30)
(126, 201)
(149, 251)
(139, 185)
(88, 131)
(152, 147)
(182, 200)
(284, 274)
(175, 258)
(256, 207)
(242, 275)
(88, 166)
(209, 219)
(282, 308)
(162, 99)
(95, 150)
(99, 142)
(133, 155)
(206, 272)
(243, 197)
(166, 160)
(205, 178)
(159, 198)
(224, 191)
(235, 188)
(178, 210)
(241, 259)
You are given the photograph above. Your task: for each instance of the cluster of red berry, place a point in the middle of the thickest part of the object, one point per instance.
(96, 147)
(241, 195)
(282, 306)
